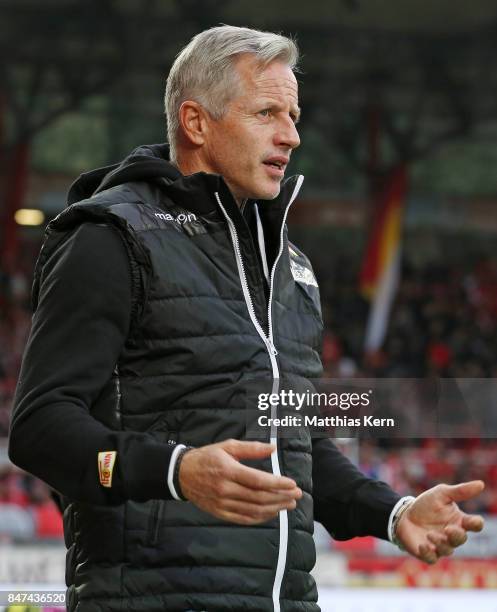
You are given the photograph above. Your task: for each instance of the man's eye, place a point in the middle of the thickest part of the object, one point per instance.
(265, 112)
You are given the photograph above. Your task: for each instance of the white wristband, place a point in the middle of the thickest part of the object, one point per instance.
(170, 471)
(408, 499)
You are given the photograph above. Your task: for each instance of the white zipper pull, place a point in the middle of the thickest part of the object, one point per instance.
(272, 348)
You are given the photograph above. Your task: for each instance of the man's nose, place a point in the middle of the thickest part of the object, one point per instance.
(287, 134)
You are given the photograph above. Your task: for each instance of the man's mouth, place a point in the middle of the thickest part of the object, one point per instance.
(279, 163)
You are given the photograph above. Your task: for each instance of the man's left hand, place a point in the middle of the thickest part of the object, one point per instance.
(433, 526)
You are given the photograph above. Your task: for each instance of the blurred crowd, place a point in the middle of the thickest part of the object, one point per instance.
(410, 470)
(15, 320)
(27, 511)
(443, 323)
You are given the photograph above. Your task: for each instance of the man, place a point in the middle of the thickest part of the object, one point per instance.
(159, 294)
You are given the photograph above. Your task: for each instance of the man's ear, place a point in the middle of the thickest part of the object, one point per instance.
(192, 117)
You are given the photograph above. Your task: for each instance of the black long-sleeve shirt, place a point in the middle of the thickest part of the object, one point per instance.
(78, 330)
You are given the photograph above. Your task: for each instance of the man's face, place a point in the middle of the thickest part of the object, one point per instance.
(251, 144)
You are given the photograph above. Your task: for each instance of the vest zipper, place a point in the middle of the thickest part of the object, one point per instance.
(246, 292)
(118, 393)
(271, 349)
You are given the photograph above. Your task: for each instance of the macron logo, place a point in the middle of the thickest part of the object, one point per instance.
(181, 218)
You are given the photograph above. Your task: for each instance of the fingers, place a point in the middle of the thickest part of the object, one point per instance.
(233, 490)
(456, 535)
(464, 491)
(427, 553)
(233, 517)
(257, 479)
(213, 479)
(240, 449)
(441, 542)
(253, 512)
(249, 506)
(241, 519)
(472, 522)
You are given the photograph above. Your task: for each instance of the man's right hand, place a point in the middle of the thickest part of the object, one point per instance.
(213, 479)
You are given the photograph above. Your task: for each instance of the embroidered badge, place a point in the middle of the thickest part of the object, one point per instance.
(106, 460)
(302, 274)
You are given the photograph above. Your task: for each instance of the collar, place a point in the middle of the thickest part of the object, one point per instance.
(196, 193)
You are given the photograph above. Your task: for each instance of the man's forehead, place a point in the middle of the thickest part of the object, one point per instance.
(275, 78)
(276, 82)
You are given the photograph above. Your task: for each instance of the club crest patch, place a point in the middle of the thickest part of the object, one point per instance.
(106, 460)
(302, 274)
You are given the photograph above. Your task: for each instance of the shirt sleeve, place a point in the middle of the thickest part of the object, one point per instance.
(77, 334)
(347, 502)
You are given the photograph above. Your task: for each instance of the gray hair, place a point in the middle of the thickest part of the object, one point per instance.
(204, 70)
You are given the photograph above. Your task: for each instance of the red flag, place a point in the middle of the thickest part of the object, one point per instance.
(380, 271)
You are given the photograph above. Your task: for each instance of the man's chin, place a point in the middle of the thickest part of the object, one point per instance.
(263, 190)
(270, 193)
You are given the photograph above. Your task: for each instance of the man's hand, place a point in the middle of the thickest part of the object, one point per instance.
(214, 480)
(434, 525)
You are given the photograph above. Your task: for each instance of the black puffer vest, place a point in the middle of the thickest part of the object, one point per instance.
(201, 330)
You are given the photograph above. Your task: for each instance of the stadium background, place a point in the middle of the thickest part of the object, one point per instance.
(399, 152)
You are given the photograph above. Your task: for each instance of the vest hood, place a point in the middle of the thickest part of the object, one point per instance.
(147, 162)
